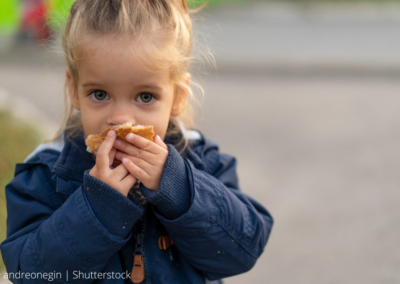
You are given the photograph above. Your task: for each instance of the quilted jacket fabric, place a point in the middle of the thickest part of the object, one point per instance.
(65, 223)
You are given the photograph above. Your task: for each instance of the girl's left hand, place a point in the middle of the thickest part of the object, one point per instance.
(143, 159)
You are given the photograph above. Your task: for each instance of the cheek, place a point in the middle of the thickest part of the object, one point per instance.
(163, 127)
(160, 123)
(91, 122)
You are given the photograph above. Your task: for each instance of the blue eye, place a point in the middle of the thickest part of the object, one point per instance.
(145, 97)
(99, 95)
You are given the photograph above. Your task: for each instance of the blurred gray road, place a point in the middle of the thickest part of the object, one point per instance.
(308, 101)
(316, 38)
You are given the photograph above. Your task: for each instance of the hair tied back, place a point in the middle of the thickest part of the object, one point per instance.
(186, 7)
(184, 4)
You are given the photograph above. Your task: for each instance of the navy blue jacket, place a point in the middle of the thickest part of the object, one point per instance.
(62, 220)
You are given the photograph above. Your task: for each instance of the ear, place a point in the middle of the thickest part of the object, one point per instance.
(71, 90)
(181, 98)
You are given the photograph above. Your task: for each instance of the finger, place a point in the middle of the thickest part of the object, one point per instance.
(116, 163)
(128, 181)
(159, 142)
(111, 156)
(144, 165)
(137, 172)
(132, 150)
(120, 172)
(142, 143)
(103, 158)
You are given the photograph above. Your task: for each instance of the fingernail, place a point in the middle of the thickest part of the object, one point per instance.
(95, 153)
(118, 155)
(130, 136)
(125, 160)
(117, 142)
(111, 133)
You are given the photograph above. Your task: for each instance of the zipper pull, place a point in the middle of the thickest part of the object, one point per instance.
(165, 242)
(137, 274)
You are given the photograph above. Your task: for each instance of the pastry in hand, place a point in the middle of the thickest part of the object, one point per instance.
(93, 142)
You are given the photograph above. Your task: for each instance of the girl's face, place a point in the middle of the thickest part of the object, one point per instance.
(113, 88)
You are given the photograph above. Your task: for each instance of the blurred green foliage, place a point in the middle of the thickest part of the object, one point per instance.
(17, 141)
(9, 16)
(58, 12)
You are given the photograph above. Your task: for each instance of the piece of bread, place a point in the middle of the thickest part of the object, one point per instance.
(93, 142)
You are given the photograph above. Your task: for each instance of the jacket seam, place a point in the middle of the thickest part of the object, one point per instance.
(210, 220)
(64, 242)
(244, 241)
(240, 244)
(34, 252)
(36, 260)
(101, 228)
(44, 179)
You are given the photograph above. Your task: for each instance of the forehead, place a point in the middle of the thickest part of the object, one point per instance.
(108, 54)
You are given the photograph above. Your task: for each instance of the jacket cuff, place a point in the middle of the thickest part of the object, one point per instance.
(173, 196)
(115, 212)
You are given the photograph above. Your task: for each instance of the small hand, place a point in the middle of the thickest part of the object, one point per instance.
(119, 178)
(143, 158)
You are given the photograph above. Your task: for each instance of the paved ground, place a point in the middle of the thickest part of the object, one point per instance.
(318, 147)
(323, 156)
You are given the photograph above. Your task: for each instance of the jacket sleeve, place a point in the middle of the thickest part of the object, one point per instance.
(69, 239)
(223, 231)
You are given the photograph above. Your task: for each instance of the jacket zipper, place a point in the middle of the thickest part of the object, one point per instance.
(138, 270)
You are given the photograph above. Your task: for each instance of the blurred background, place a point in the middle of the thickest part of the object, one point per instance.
(306, 95)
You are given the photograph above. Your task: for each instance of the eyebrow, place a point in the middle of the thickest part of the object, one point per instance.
(149, 87)
(145, 86)
(90, 84)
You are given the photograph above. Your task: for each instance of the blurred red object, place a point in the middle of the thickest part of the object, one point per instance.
(34, 21)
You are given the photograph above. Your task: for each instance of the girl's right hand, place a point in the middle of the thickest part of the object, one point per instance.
(119, 178)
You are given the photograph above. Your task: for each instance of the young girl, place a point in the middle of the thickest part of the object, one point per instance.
(86, 218)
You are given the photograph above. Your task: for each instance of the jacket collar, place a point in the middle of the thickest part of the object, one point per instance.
(74, 160)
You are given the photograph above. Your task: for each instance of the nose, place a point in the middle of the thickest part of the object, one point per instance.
(121, 114)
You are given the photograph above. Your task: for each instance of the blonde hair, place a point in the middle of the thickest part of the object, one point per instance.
(168, 19)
